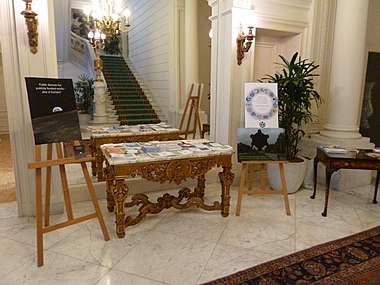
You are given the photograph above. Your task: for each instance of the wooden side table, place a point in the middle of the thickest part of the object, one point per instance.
(350, 160)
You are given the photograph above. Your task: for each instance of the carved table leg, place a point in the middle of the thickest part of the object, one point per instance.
(93, 163)
(200, 188)
(120, 192)
(316, 160)
(329, 172)
(226, 178)
(109, 189)
(99, 164)
(376, 187)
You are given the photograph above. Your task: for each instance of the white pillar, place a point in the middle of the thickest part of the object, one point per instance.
(343, 103)
(100, 114)
(18, 63)
(191, 44)
(191, 58)
(227, 77)
(347, 67)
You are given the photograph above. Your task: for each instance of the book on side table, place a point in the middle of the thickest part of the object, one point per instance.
(335, 149)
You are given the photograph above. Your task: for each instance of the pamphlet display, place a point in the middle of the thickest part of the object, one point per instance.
(336, 149)
(261, 105)
(121, 153)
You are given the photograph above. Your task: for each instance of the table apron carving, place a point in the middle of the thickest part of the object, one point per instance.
(173, 171)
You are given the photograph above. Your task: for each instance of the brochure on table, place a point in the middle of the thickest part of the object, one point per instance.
(261, 105)
(124, 152)
(334, 149)
(133, 129)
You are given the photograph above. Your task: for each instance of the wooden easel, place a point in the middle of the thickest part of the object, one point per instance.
(61, 161)
(192, 102)
(250, 166)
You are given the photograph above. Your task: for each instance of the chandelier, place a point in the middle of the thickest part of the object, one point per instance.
(109, 20)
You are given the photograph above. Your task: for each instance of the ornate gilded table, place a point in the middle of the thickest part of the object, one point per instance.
(350, 160)
(146, 134)
(174, 169)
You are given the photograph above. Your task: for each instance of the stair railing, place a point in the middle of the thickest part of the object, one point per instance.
(82, 54)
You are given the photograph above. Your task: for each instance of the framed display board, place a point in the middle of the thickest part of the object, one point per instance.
(53, 110)
(261, 105)
(260, 144)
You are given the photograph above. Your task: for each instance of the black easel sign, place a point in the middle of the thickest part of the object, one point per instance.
(53, 110)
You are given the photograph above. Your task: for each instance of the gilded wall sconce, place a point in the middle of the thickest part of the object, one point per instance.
(243, 43)
(32, 25)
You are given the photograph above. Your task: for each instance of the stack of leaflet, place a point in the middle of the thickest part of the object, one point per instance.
(119, 152)
(374, 153)
(199, 147)
(171, 147)
(150, 148)
(334, 149)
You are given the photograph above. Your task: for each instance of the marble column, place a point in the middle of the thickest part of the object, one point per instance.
(18, 63)
(345, 89)
(191, 56)
(191, 43)
(100, 114)
(348, 59)
(100, 93)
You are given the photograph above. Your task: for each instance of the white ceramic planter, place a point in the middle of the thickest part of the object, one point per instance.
(84, 120)
(294, 175)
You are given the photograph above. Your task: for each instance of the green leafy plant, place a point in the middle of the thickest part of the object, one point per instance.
(295, 96)
(84, 93)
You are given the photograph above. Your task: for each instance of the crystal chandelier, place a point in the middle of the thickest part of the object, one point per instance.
(109, 17)
(109, 20)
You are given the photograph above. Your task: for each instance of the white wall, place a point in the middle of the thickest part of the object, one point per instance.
(373, 35)
(204, 42)
(149, 46)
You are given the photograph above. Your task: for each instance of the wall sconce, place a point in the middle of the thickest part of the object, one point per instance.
(243, 43)
(32, 25)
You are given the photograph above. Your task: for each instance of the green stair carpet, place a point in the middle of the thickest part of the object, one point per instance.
(132, 106)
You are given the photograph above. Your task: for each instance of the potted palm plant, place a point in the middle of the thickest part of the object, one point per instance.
(84, 93)
(296, 95)
(84, 96)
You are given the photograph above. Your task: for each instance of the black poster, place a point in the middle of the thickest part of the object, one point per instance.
(53, 110)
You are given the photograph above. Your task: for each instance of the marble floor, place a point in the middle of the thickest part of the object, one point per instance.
(179, 247)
